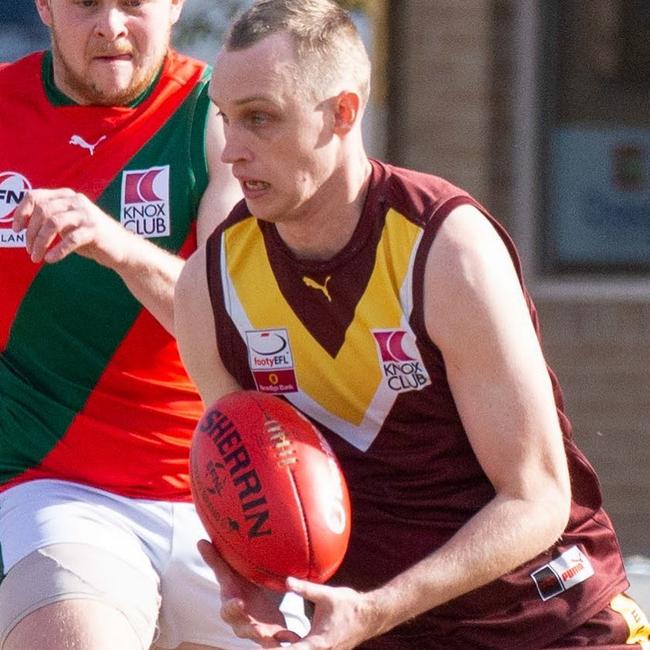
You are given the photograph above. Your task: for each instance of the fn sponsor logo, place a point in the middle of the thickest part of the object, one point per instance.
(13, 187)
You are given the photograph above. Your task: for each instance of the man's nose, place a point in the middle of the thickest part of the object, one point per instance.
(111, 24)
(235, 148)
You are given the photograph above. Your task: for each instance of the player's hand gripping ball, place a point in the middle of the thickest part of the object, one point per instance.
(269, 490)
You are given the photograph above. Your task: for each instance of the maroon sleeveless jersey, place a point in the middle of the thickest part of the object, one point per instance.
(344, 341)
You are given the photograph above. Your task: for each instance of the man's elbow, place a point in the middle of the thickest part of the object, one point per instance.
(557, 507)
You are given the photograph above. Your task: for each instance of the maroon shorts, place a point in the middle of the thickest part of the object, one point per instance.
(621, 626)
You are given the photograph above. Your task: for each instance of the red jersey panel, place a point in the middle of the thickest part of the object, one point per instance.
(93, 389)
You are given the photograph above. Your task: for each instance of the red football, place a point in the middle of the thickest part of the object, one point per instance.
(269, 490)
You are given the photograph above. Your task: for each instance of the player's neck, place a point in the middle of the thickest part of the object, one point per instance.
(330, 220)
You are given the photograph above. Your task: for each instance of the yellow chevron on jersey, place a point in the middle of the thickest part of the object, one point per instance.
(349, 393)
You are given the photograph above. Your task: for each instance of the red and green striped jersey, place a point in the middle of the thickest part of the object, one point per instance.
(92, 388)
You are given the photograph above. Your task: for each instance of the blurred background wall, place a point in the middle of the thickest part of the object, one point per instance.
(541, 110)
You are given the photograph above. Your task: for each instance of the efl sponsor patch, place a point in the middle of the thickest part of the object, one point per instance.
(13, 187)
(145, 206)
(565, 571)
(270, 361)
(400, 360)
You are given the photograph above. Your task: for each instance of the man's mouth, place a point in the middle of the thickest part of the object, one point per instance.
(255, 186)
(123, 56)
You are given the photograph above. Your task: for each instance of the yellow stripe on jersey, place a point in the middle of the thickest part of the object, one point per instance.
(635, 618)
(346, 385)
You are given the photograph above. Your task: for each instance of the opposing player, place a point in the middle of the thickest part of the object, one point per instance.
(389, 307)
(109, 171)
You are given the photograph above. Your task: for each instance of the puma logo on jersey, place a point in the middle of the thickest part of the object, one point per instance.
(78, 141)
(320, 287)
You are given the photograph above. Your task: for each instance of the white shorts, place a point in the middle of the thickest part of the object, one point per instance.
(157, 539)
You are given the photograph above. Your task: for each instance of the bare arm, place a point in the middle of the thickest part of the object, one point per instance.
(193, 318)
(476, 313)
(62, 221)
(195, 332)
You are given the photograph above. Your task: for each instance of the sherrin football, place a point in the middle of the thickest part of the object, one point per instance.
(269, 490)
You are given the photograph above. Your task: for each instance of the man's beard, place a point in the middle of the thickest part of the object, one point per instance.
(87, 92)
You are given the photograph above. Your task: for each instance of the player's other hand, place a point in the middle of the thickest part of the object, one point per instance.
(252, 612)
(343, 618)
(61, 221)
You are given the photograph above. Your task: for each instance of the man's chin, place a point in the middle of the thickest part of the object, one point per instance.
(114, 94)
(113, 98)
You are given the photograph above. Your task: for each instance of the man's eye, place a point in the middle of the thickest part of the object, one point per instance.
(258, 119)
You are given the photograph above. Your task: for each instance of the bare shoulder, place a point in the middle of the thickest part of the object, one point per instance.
(192, 319)
(192, 307)
(196, 330)
(467, 239)
(192, 278)
(470, 277)
(476, 313)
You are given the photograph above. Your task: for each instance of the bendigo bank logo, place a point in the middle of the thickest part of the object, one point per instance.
(145, 201)
(400, 360)
(13, 187)
(271, 361)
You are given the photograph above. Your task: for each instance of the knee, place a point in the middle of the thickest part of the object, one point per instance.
(66, 596)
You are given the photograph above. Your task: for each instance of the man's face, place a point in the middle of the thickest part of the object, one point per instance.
(108, 51)
(278, 139)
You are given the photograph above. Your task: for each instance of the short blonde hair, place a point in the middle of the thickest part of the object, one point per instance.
(328, 47)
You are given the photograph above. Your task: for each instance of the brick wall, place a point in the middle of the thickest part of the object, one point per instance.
(440, 90)
(601, 354)
(451, 105)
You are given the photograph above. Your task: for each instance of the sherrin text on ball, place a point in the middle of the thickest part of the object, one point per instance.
(269, 490)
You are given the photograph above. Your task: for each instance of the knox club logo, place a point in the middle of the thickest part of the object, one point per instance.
(400, 360)
(145, 206)
(13, 187)
(271, 361)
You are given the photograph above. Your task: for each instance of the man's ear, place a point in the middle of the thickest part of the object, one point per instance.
(43, 8)
(346, 113)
